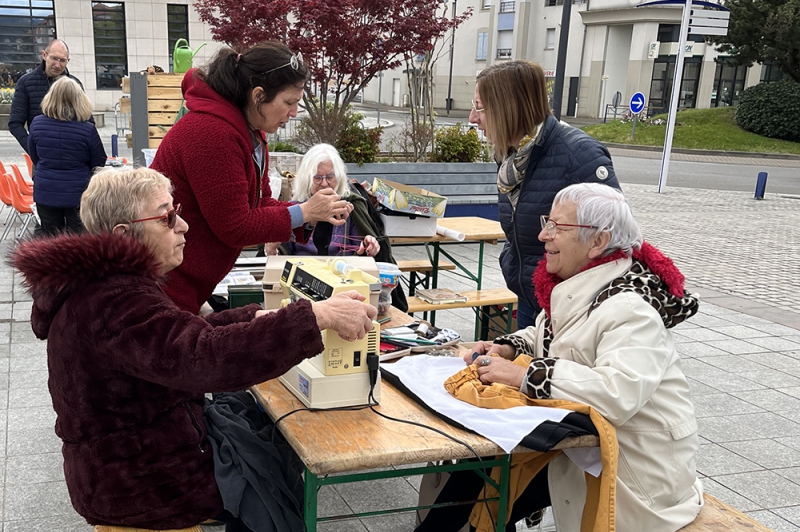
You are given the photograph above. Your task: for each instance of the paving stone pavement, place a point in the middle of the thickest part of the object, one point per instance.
(741, 353)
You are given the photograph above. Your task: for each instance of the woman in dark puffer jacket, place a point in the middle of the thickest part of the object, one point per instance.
(65, 148)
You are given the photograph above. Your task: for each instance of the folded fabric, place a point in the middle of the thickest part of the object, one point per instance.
(600, 506)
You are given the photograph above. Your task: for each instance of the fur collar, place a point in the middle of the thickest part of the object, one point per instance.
(54, 267)
(658, 263)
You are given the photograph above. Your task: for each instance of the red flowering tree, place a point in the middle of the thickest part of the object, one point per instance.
(344, 42)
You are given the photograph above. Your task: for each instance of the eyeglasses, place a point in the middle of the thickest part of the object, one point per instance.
(330, 178)
(474, 108)
(171, 216)
(552, 227)
(294, 62)
(58, 59)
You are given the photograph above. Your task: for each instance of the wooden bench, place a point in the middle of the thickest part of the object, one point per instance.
(424, 266)
(104, 528)
(717, 516)
(486, 303)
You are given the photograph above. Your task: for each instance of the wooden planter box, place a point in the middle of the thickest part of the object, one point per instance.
(154, 104)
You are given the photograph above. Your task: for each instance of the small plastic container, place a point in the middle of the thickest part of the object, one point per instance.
(389, 275)
(149, 155)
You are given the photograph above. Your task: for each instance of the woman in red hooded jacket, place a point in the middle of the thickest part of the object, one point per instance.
(216, 157)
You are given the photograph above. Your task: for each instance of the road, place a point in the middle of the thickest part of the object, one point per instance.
(643, 168)
(708, 175)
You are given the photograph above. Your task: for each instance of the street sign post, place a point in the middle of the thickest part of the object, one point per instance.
(636, 106)
(700, 21)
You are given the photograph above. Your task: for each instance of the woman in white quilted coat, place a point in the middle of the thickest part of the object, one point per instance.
(603, 339)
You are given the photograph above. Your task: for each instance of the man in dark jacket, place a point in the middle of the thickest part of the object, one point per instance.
(32, 87)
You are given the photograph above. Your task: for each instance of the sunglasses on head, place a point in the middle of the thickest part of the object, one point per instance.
(171, 216)
(294, 62)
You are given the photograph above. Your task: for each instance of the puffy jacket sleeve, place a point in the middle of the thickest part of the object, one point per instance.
(151, 339)
(591, 162)
(97, 153)
(218, 169)
(633, 353)
(19, 115)
(32, 139)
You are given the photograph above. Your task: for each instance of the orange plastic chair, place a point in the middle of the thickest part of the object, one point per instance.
(25, 188)
(2, 168)
(20, 203)
(29, 163)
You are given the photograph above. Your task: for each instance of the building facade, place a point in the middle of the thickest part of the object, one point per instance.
(614, 50)
(107, 40)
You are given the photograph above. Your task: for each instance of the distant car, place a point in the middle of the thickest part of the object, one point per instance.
(108, 80)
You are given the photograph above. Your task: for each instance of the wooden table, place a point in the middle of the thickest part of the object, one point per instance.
(475, 229)
(346, 443)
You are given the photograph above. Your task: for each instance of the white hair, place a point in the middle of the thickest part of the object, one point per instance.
(604, 207)
(304, 179)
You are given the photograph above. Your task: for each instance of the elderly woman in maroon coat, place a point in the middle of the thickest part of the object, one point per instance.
(128, 368)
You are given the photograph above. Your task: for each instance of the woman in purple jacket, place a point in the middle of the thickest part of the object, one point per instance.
(65, 148)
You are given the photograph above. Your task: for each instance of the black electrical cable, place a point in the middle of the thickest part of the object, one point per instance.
(372, 360)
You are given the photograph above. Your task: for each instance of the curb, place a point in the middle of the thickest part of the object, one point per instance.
(722, 153)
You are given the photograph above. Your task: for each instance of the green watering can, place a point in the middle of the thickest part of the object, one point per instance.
(182, 56)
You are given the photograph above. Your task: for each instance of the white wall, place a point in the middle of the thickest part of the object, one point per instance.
(146, 28)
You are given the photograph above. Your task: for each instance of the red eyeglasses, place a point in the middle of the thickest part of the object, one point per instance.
(171, 216)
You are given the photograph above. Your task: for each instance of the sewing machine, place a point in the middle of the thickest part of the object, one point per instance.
(338, 376)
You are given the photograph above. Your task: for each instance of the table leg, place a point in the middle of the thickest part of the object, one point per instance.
(502, 504)
(310, 503)
(435, 275)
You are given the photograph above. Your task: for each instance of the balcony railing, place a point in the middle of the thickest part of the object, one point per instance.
(504, 53)
(507, 7)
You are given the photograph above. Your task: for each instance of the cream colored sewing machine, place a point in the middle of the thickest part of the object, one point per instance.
(339, 375)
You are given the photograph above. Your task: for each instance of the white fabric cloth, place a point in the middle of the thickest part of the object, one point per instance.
(425, 375)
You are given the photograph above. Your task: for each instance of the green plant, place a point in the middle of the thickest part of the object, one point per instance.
(357, 144)
(282, 146)
(6, 95)
(453, 145)
(771, 110)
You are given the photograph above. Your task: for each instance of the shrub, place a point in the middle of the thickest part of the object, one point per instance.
(282, 146)
(771, 110)
(453, 145)
(357, 144)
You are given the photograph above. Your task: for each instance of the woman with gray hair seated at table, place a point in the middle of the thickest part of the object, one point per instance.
(603, 340)
(129, 369)
(321, 168)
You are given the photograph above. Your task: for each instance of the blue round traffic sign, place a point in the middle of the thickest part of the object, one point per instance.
(637, 102)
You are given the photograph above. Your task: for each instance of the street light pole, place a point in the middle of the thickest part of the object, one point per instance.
(380, 82)
(561, 61)
(449, 103)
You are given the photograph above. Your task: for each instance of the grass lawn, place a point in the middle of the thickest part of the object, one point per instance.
(701, 129)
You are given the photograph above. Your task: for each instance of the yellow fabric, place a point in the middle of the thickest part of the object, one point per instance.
(599, 509)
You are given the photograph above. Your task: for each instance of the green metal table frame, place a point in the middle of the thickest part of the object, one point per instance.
(314, 482)
(482, 314)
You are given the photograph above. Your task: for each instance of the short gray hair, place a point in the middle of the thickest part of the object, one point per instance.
(606, 208)
(304, 180)
(119, 196)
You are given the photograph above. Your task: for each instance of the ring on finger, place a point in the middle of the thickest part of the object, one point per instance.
(486, 361)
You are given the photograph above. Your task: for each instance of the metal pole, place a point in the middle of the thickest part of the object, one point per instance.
(561, 62)
(449, 103)
(380, 82)
(674, 97)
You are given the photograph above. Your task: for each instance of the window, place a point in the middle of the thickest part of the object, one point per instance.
(177, 26)
(550, 39)
(771, 72)
(110, 49)
(505, 40)
(728, 83)
(487, 4)
(507, 7)
(661, 84)
(483, 43)
(26, 26)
